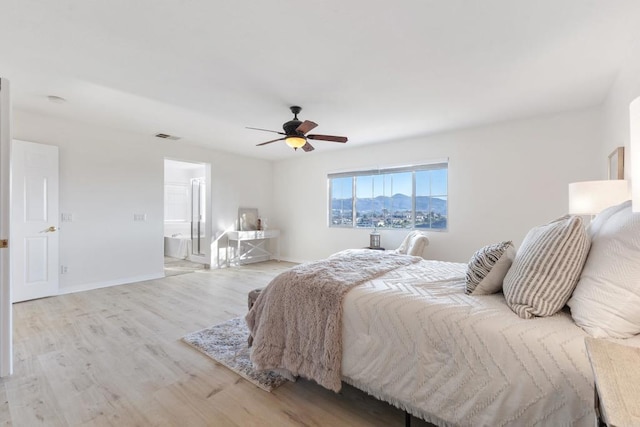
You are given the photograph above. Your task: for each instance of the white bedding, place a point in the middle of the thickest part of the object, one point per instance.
(415, 339)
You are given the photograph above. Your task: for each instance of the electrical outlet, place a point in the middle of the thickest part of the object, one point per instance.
(64, 269)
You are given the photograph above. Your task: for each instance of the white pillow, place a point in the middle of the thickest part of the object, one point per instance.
(606, 301)
(546, 268)
(594, 228)
(402, 249)
(417, 245)
(487, 268)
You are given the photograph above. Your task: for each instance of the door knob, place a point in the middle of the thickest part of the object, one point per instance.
(51, 229)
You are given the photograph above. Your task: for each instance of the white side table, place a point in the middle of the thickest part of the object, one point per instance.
(256, 244)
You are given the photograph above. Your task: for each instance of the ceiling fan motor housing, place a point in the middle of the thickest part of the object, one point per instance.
(291, 126)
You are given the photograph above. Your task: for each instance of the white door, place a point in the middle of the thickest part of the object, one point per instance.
(6, 310)
(34, 220)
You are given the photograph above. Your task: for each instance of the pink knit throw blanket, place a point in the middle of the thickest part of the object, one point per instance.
(296, 322)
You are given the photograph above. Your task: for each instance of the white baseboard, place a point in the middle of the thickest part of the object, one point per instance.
(108, 283)
(296, 261)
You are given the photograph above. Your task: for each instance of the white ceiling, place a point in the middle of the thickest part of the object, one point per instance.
(371, 70)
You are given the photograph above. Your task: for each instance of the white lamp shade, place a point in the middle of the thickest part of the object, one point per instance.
(592, 197)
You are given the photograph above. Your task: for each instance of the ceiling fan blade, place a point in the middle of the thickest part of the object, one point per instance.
(306, 126)
(269, 142)
(308, 147)
(328, 138)
(267, 130)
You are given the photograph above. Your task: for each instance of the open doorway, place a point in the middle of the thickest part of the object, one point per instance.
(186, 212)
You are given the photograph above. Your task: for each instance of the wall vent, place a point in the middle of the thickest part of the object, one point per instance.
(167, 136)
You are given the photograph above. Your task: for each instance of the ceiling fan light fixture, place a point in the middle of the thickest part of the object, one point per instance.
(295, 141)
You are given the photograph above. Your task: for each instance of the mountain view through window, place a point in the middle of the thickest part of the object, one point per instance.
(408, 197)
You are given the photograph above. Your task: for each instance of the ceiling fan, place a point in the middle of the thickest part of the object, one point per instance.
(295, 133)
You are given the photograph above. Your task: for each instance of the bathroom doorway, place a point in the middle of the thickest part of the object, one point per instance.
(187, 213)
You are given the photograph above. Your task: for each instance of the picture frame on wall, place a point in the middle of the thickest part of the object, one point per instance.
(616, 164)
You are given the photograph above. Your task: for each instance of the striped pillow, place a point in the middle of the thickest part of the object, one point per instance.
(487, 268)
(546, 268)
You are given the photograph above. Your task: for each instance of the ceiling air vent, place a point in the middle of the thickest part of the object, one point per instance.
(167, 136)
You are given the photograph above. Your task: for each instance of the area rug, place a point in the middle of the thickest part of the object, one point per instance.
(226, 343)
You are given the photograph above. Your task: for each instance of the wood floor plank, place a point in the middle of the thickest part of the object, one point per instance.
(31, 400)
(5, 413)
(114, 356)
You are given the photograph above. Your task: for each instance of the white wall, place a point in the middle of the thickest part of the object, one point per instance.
(616, 109)
(503, 179)
(106, 176)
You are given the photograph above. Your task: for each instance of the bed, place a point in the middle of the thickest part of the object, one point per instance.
(412, 334)
(455, 359)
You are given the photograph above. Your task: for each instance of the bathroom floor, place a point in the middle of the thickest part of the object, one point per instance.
(176, 266)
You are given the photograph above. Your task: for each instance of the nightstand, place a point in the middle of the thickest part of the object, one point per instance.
(616, 370)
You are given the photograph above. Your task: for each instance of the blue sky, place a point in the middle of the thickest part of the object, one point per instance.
(434, 182)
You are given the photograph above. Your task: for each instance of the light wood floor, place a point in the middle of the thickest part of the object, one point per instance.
(113, 356)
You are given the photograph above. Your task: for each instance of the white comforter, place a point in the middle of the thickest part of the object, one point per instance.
(415, 339)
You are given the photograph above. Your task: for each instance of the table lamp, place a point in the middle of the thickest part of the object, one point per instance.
(592, 197)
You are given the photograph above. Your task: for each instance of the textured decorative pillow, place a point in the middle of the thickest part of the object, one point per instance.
(546, 267)
(606, 302)
(417, 245)
(487, 268)
(594, 227)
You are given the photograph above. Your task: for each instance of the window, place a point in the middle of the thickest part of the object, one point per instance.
(342, 201)
(405, 197)
(176, 202)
